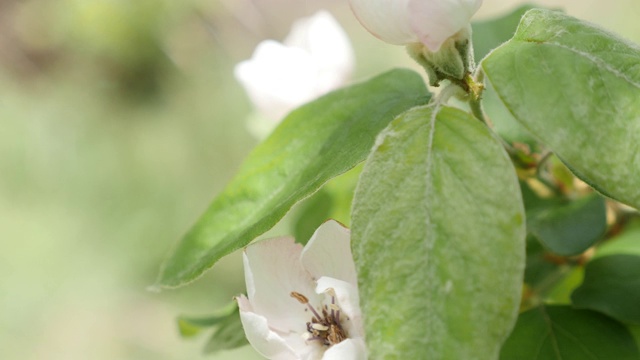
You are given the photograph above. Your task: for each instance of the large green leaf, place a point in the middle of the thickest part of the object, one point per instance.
(314, 143)
(438, 239)
(612, 286)
(572, 228)
(576, 88)
(488, 35)
(563, 333)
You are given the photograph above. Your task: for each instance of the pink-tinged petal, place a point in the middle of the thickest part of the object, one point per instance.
(350, 349)
(328, 253)
(266, 341)
(389, 20)
(272, 271)
(402, 22)
(349, 301)
(434, 22)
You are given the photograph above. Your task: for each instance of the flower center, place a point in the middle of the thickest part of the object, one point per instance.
(324, 327)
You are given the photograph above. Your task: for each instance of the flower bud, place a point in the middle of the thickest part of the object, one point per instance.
(436, 32)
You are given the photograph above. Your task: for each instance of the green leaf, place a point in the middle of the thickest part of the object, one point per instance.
(563, 333)
(228, 335)
(487, 35)
(332, 201)
(572, 228)
(313, 212)
(575, 87)
(438, 239)
(626, 243)
(190, 326)
(227, 329)
(635, 331)
(315, 143)
(560, 293)
(612, 286)
(542, 272)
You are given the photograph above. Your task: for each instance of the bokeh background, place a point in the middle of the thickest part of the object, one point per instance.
(119, 122)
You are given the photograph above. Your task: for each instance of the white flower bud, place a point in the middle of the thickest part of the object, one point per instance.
(436, 32)
(403, 22)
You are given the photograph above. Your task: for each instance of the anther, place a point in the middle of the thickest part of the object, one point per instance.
(319, 327)
(301, 298)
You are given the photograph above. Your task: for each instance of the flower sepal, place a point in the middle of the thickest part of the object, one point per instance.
(453, 61)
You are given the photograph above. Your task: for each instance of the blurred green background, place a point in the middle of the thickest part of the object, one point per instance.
(119, 122)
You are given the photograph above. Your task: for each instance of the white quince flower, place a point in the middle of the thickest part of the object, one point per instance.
(302, 303)
(437, 33)
(315, 58)
(403, 22)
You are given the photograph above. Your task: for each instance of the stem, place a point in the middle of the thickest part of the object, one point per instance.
(476, 109)
(475, 89)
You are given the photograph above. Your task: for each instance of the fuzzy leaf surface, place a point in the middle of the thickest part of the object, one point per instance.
(438, 239)
(575, 87)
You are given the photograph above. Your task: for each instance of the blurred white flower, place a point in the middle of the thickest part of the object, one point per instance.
(403, 22)
(303, 302)
(315, 58)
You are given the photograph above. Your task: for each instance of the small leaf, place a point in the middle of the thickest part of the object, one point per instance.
(572, 228)
(314, 143)
(560, 293)
(438, 239)
(575, 87)
(542, 272)
(227, 329)
(563, 333)
(228, 335)
(612, 286)
(190, 326)
(626, 243)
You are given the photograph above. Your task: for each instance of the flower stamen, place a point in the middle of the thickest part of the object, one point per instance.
(327, 327)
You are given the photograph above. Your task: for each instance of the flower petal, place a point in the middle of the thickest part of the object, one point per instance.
(328, 253)
(278, 78)
(402, 22)
(267, 342)
(322, 37)
(350, 349)
(272, 271)
(386, 19)
(435, 21)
